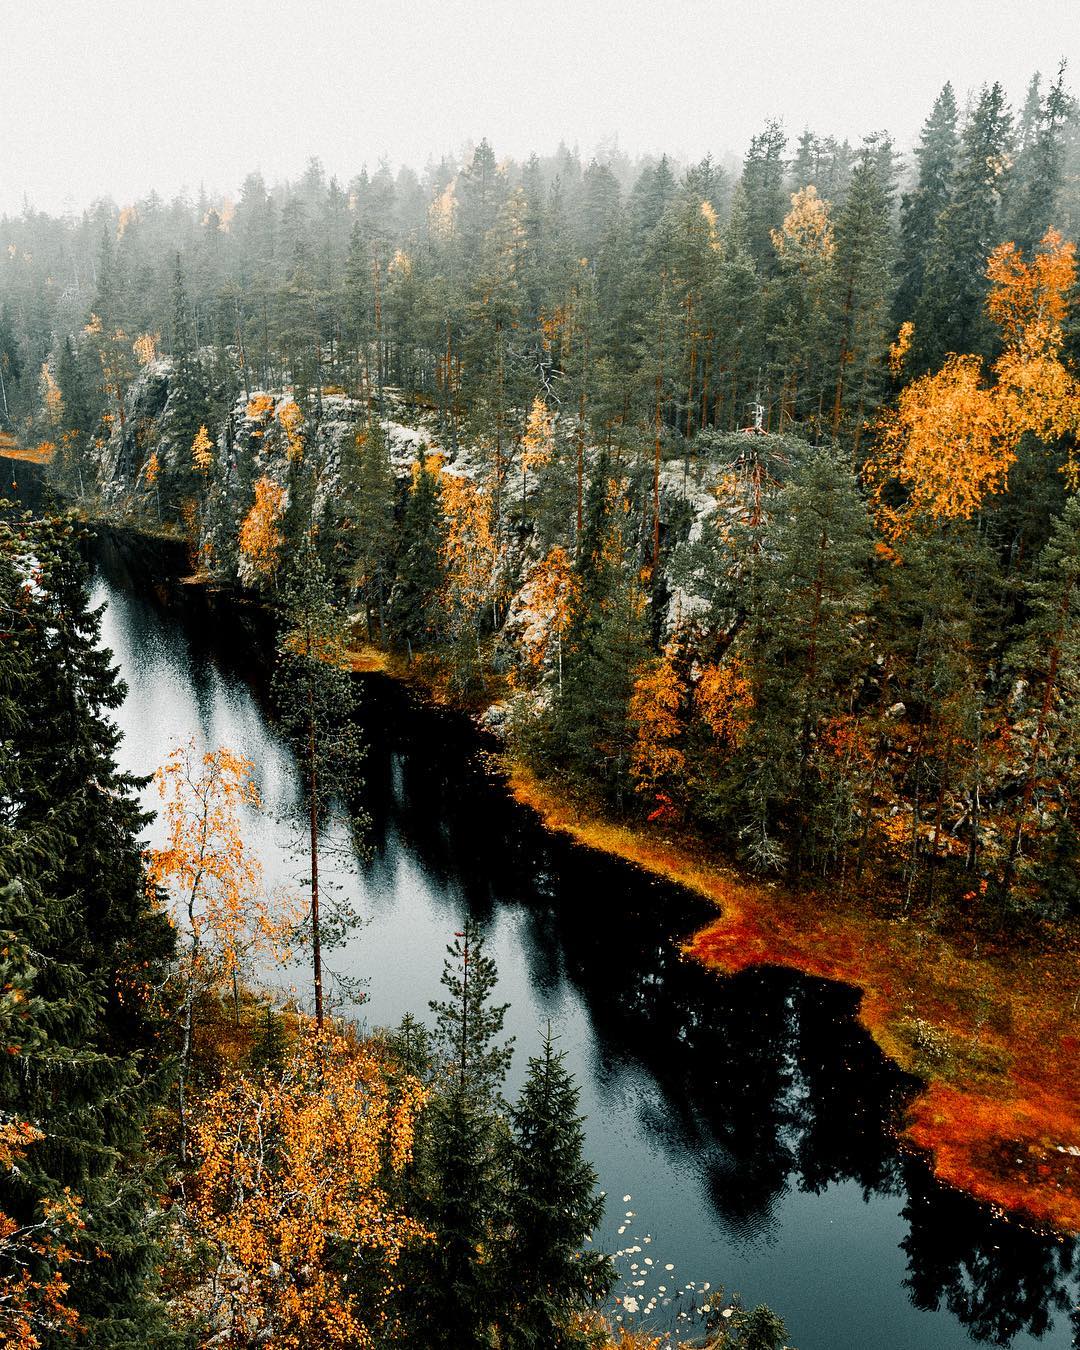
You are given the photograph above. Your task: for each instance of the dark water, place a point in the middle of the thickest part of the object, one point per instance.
(749, 1119)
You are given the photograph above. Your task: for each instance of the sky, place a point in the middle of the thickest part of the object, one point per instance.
(116, 97)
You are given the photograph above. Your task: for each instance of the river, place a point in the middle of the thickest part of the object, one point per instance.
(750, 1120)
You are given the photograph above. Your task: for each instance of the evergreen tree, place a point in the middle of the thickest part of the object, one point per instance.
(920, 208)
(862, 269)
(1038, 176)
(949, 317)
(315, 700)
(188, 392)
(806, 599)
(586, 730)
(1048, 656)
(415, 611)
(458, 1178)
(552, 1206)
(366, 522)
(91, 1073)
(11, 365)
(763, 193)
(467, 1024)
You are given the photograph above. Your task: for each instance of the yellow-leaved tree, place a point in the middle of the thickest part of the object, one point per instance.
(33, 1310)
(538, 443)
(260, 536)
(289, 1197)
(202, 451)
(292, 424)
(953, 436)
(656, 707)
(213, 882)
(724, 698)
(549, 596)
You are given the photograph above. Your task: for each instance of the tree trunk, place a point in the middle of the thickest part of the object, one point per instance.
(313, 827)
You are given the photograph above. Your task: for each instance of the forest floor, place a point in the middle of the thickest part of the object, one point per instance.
(981, 1022)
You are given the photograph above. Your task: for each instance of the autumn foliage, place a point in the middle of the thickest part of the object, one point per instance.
(953, 436)
(290, 1198)
(33, 1308)
(260, 534)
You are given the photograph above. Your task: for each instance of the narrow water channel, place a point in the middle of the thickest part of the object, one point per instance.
(749, 1119)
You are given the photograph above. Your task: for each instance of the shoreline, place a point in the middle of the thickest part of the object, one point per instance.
(999, 1111)
(998, 1114)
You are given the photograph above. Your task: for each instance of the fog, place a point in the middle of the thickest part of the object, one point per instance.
(117, 97)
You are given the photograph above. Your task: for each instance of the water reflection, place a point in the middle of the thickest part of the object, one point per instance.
(750, 1118)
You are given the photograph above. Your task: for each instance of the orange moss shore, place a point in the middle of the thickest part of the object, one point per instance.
(992, 1035)
(38, 454)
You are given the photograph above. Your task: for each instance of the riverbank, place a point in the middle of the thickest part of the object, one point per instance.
(999, 1115)
(1000, 1112)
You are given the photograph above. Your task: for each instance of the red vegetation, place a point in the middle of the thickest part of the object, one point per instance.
(1000, 1112)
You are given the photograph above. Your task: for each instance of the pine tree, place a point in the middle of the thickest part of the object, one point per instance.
(920, 208)
(187, 390)
(315, 700)
(552, 1206)
(365, 522)
(950, 315)
(71, 878)
(415, 618)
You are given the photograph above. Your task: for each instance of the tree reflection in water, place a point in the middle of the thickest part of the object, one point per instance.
(763, 1086)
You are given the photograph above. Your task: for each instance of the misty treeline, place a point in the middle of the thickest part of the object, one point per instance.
(749, 493)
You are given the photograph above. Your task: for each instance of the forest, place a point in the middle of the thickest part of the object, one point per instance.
(739, 501)
(749, 495)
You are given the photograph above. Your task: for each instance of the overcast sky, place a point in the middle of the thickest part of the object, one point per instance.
(114, 97)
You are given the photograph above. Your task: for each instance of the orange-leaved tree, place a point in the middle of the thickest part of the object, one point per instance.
(33, 1310)
(724, 698)
(656, 713)
(260, 533)
(290, 1198)
(538, 443)
(471, 559)
(549, 597)
(213, 882)
(952, 438)
(202, 451)
(292, 424)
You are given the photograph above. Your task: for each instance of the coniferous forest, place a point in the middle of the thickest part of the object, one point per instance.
(738, 503)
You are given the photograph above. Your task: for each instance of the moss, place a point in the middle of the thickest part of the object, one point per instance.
(1000, 1111)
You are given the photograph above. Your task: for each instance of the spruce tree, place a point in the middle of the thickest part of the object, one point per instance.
(1039, 173)
(862, 269)
(920, 208)
(92, 1073)
(552, 1206)
(762, 186)
(806, 598)
(949, 317)
(458, 1180)
(415, 609)
(467, 1024)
